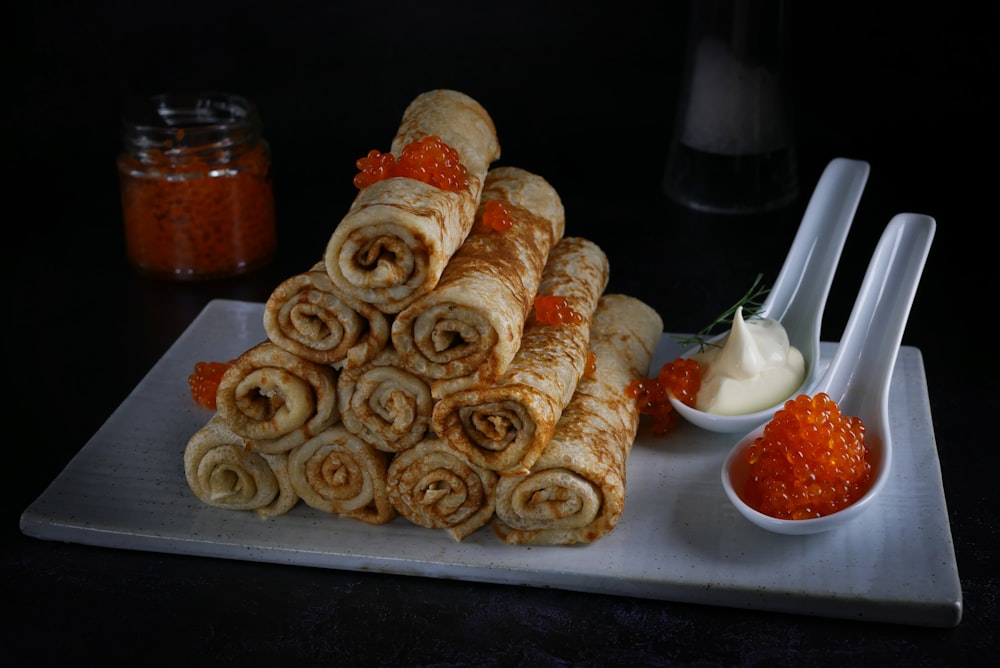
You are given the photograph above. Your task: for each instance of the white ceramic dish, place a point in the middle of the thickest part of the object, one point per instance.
(679, 539)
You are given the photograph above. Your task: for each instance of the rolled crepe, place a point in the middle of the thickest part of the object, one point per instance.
(575, 492)
(465, 332)
(505, 426)
(275, 399)
(383, 404)
(399, 233)
(338, 473)
(436, 487)
(221, 472)
(309, 317)
(287, 498)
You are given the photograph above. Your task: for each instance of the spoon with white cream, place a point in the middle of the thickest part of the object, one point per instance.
(860, 372)
(781, 346)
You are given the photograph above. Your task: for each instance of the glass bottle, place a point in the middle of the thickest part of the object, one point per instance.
(733, 149)
(197, 199)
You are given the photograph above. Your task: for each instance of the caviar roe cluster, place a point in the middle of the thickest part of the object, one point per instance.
(189, 218)
(196, 187)
(555, 310)
(204, 382)
(810, 461)
(496, 216)
(429, 160)
(682, 378)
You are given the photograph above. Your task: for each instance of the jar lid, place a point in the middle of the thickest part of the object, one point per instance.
(177, 120)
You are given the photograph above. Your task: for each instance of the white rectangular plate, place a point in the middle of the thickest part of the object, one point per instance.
(679, 538)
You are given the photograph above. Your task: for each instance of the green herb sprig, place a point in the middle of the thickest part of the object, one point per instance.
(751, 303)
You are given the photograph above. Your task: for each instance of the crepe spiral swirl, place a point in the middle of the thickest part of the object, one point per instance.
(437, 488)
(384, 405)
(338, 473)
(307, 316)
(221, 472)
(275, 399)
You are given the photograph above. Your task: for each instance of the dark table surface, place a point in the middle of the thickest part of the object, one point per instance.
(581, 95)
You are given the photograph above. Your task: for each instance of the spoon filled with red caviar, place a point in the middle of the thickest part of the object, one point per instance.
(758, 364)
(824, 457)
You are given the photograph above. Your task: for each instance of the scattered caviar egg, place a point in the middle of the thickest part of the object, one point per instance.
(681, 377)
(496, 216)
(810, 461)
(554, 310)
(429, 160)
(204, 382)
(590, 367)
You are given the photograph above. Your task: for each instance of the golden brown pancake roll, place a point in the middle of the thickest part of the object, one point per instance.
(277, 400)
(338, 473)
(384, 404)
(309, 317)
(505, 426)
(399, 233)
(287, 497)
(575, 492)
(221, 472)
(465, 332)
(436, 487)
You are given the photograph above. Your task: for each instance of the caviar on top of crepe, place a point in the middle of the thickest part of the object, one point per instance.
(496, 216)
(429, 160)
(555, 310)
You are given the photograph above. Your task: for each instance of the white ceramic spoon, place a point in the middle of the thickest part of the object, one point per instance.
(860, 372)
(797, 298)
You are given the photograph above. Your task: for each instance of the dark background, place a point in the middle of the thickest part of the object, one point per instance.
(582, 94)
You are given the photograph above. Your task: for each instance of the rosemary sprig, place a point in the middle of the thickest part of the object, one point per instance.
(751, 303)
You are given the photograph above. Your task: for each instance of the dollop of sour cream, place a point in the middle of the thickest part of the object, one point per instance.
(755, 368)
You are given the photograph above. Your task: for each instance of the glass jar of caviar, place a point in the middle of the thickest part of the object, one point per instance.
(195, 176)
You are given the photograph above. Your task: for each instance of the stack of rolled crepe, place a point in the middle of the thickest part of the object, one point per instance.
(404, 375)
(465, 332)
(575, 490)
(505, 426)
(278, 401)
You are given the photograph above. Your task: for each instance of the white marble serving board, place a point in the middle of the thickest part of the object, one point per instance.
(679, 538)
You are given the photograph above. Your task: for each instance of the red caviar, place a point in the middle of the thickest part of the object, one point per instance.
(197, 198)
(590, 367)
(810, 461)
(554, 310)
(496, 216)
(429, 160)
(682, 378)
(204, 382)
